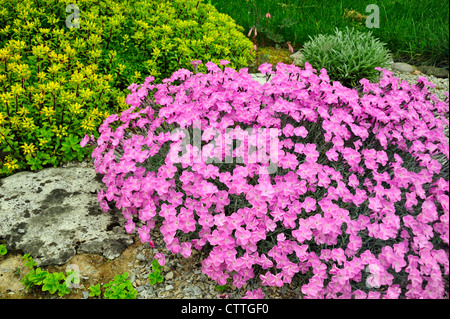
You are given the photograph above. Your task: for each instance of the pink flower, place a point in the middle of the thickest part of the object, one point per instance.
(186, 249)
(265, 67)
(309, 205)
(254, 294)
(84, 141)
(268, 15)
(160, 258)
(302, 233)
(196, 62)
(242, 236)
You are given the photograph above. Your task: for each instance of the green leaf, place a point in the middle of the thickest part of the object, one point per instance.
(3, 250)
(34, 162)
(156, 265)
(152, 279)
(63, 290)
(94, 290)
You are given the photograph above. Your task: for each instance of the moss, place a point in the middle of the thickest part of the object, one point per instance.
(270, 55)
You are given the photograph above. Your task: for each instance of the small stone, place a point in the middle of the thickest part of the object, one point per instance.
(166, 268)
(169, 287)
(85, 295)
(132, 278)
(140, 288)
(140, 257)
(197, 290)
(402, 67)
(21, 231)
(298, 58)
(169, 275)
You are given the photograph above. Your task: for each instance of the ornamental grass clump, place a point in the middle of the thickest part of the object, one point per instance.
(297, 181)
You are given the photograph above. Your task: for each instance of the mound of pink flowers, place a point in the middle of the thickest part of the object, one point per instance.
(297, 180)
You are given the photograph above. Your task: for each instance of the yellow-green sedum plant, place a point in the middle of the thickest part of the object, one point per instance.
(58, 83)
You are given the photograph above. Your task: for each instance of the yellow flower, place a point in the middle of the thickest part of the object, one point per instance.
(88, 124)
(6, 97)
(27, 123)
(43, 141)
(41, 76)
(11, 164)
(29, 149)
(15, 121)
(23, 111)
(2, 118)
(39, 98)
(48, 111)
(77, 77)
(60, 132)
(95, 112)
(76, 108)
(17, 89)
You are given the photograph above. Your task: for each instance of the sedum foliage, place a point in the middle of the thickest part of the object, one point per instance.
(348, 56)
(59, 83)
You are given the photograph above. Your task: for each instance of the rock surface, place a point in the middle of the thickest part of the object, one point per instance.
(431, 70)
(298, 58)
(402, 67)
(54, 214)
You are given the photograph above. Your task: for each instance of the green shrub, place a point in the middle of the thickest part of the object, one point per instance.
(348, 56)
(58, 83)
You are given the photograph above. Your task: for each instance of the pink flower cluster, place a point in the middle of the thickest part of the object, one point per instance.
(356, 206)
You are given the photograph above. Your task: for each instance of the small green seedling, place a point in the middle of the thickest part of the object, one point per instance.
(155, 276)
(120, 288)
(29, 261)
(95, 291)
(3, 250)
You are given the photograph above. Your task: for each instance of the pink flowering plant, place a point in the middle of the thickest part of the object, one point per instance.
(297, 181)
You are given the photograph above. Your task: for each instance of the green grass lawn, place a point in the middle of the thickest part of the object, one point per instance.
(416, 31)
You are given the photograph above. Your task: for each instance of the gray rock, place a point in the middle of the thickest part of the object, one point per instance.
(140, 257)
(54, 214)
(197, 290)
(431, 70)
(402, 67)
(298, 58)
(169, 275)
(140, 288)
(169, 287)
(261, 78)
(85, 295)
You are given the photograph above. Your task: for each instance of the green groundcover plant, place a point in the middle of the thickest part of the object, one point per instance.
(63, 72)
(348, 56)
(297, 180)
(55, 282)
(118, 288)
